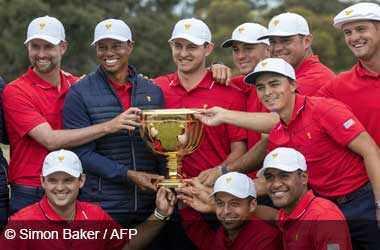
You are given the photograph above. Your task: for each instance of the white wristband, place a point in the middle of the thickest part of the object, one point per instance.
(159, 216)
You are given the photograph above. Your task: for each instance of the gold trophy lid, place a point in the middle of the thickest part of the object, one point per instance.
(171, 111)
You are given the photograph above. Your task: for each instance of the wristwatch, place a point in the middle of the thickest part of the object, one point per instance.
(377, 204)
(223, 168)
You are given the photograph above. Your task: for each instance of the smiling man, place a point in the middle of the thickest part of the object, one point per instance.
(247, 51)
(342, 158)
(306, 221)
(291, 40)
(192, 86)
(358, 88)
(121, 170)
(60, 221)
(235, 201)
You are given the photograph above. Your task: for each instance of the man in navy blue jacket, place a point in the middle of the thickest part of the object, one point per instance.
(121, 171)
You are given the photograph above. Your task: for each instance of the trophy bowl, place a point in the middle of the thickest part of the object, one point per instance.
(173, 133)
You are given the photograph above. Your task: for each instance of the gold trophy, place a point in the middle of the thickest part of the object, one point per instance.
(173, 133)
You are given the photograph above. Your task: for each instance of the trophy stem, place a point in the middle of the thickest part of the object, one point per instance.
(173, 165)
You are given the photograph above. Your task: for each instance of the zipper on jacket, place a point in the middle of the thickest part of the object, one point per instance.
(100, 184)
(5, 174)
(134, 165)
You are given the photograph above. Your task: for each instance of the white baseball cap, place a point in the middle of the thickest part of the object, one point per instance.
(236, 184)
(247, 33)
(285, 159)
(359, 11)
(62, 161)
(112, 28)
(193, 30)
(46, 28)
(287, 24)
(274, 65)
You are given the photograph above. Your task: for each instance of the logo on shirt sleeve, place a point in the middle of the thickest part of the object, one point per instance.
(347, 124)
(333, 247)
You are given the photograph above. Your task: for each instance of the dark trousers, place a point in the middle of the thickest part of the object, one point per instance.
(360, 213)
(23, 196)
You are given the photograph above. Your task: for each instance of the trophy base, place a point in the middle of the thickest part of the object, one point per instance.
(171, 183)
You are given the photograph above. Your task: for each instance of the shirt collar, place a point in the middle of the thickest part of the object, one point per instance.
(306, 64)
(362, 72)
(38, 81)
(299, 210)
(299, 104)
(48, 211)
(119, 87)
(206, 83)
(246, 230)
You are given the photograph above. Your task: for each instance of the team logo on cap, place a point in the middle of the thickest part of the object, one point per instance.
(61, 157)
(108, 26)
(276, 22)
(274, 156)
(241, 29)
(187, 26)
(42, 26)
(148, 98)
(263, 64)
(348, 12)
(228, 180)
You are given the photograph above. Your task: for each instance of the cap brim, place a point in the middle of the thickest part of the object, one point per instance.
(228, 43)
(115, 37)
(251, 77)
(229, 192)
(49, 39)
(261, 172)
(278, 33)
(59, 169)
(192, 39)
(341, 22)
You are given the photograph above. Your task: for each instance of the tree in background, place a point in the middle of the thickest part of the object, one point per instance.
(151, 22)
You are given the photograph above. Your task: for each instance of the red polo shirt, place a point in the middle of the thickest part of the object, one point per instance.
(321, 129)
(360, 90)
(29, 101)
(89, 218)
(124, 93)
(311, 75)
(215, 146)
(255, 235)
(315, 224)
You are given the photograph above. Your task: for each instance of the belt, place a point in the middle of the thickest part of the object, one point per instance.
(28, 189)
(353, 195)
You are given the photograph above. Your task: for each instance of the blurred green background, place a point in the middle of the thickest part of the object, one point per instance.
(151, 22)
